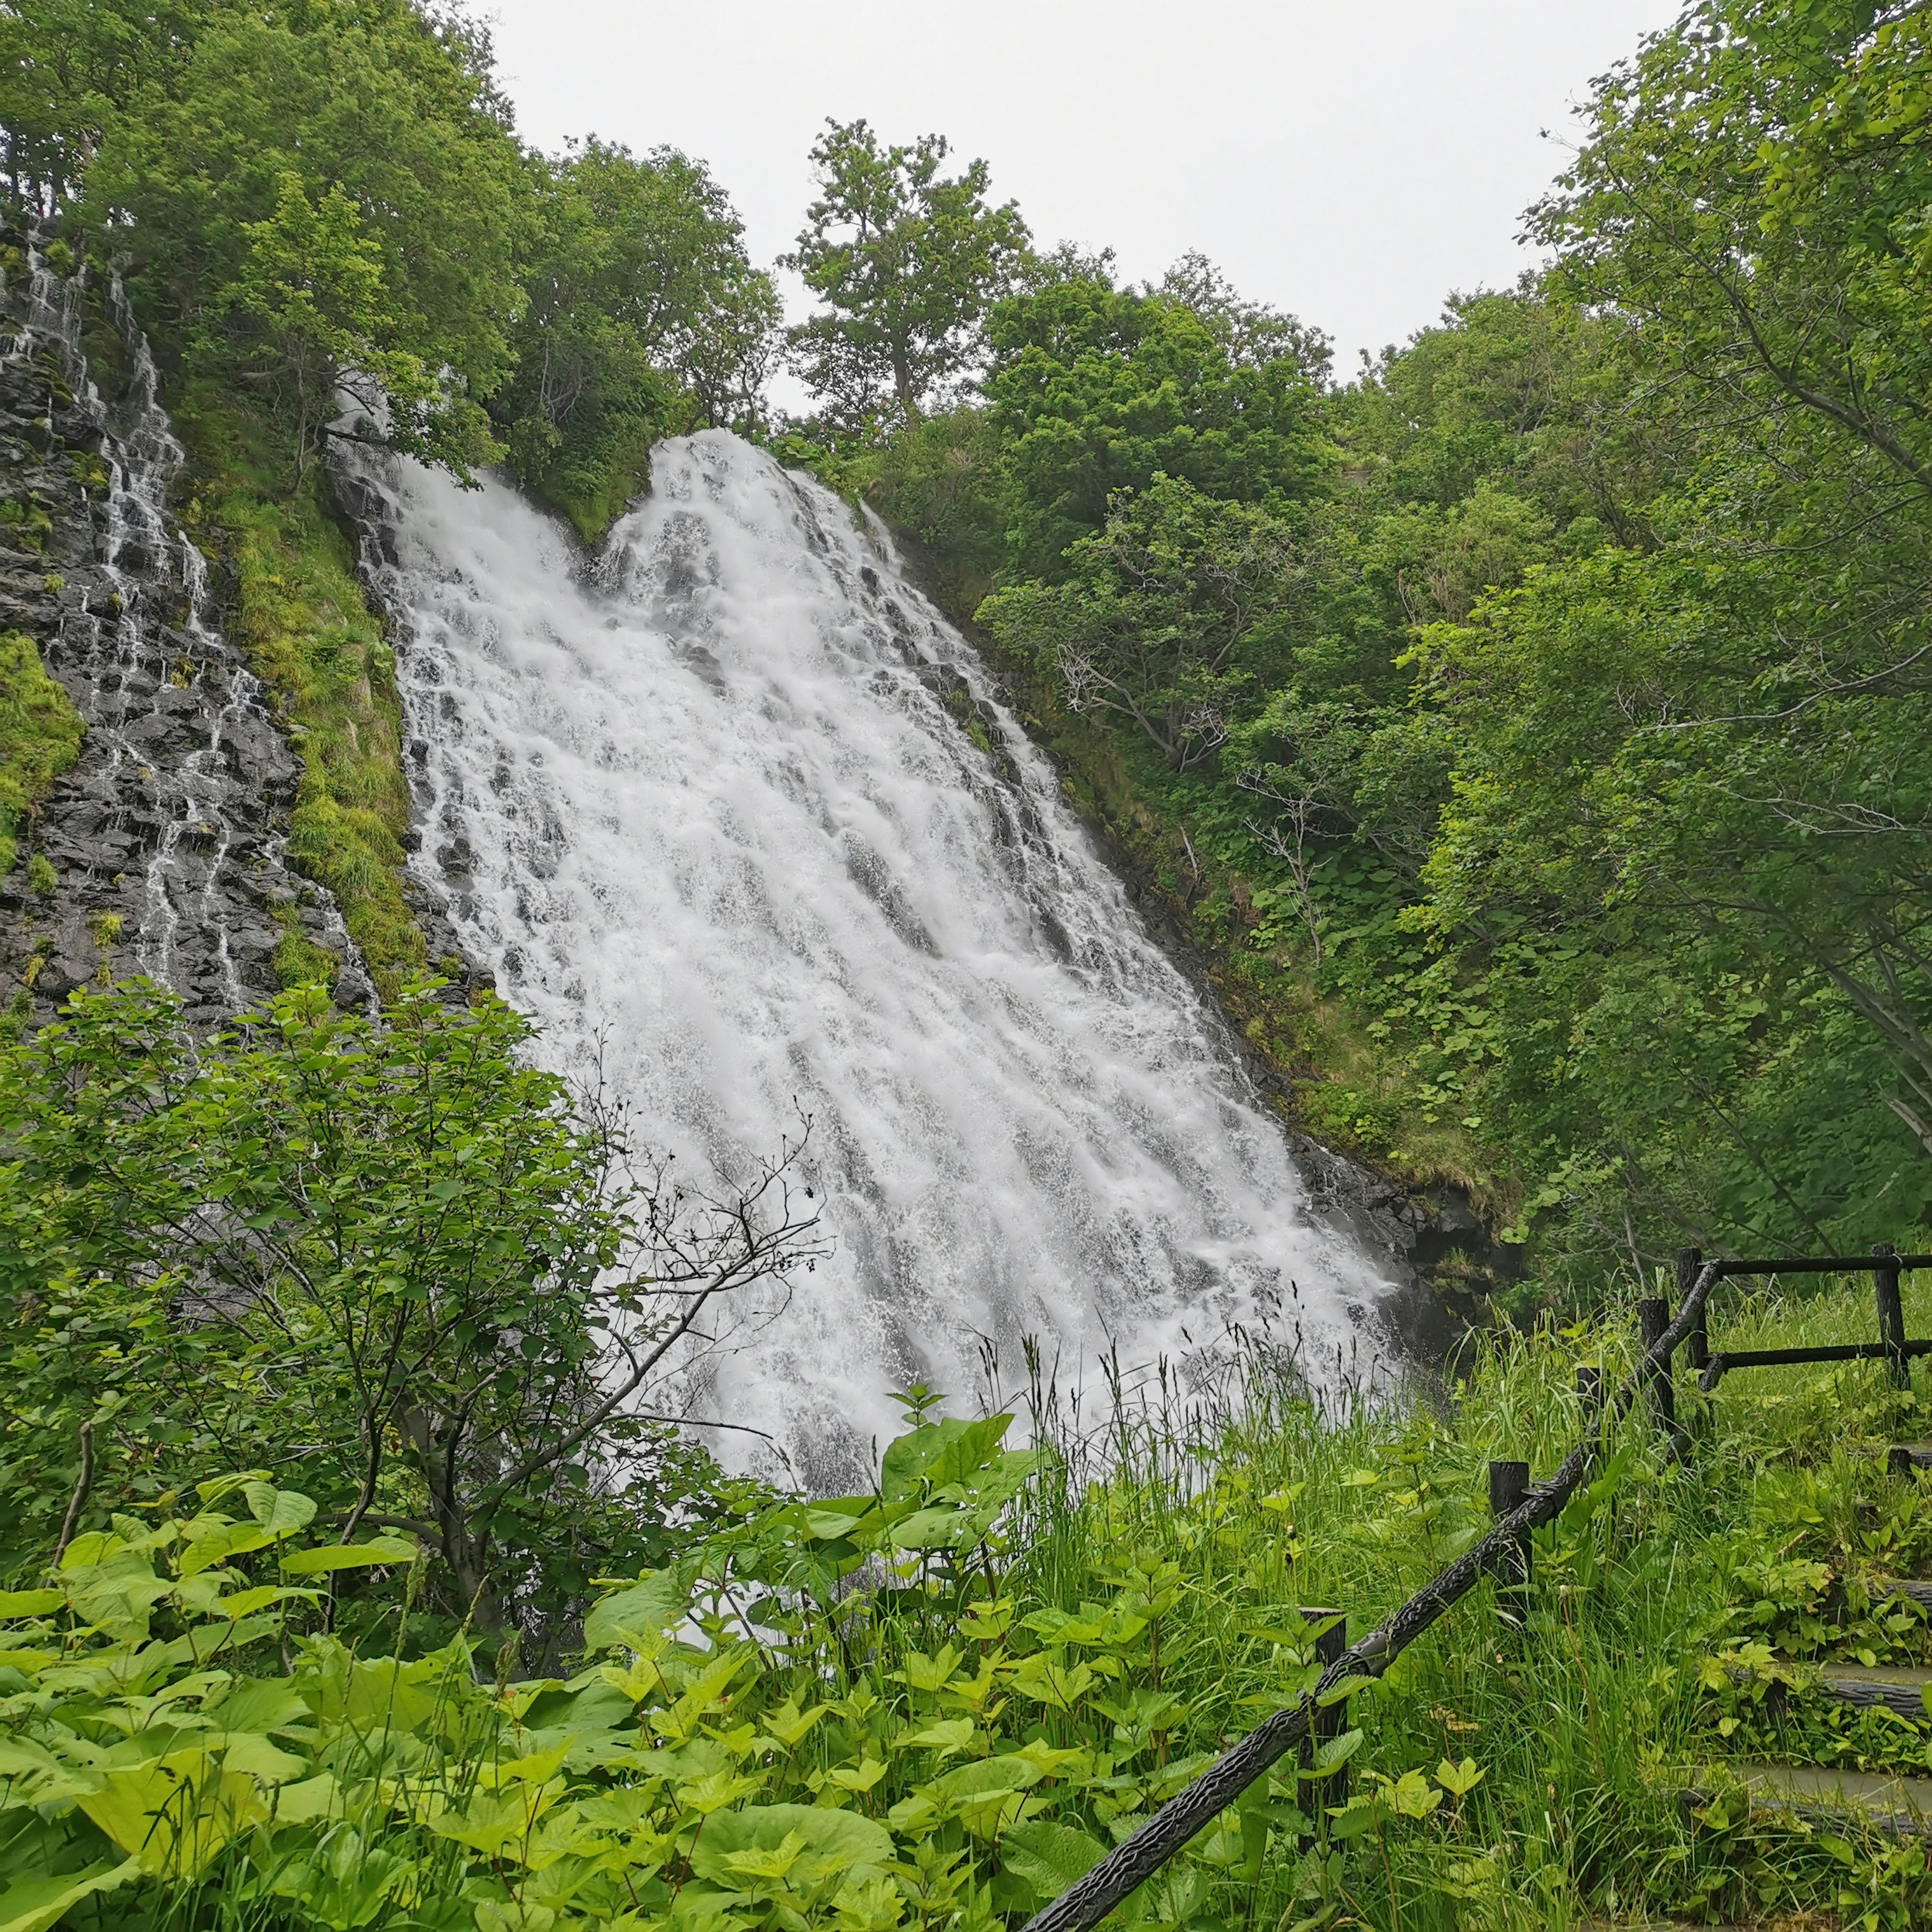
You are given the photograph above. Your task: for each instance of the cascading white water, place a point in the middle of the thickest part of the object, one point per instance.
(174, 831)
(706, 802)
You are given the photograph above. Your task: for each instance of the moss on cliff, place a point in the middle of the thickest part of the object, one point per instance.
(40, 736)
(299, 612)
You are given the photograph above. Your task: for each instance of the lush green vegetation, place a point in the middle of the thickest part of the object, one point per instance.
(1534, 727)
(299, 612)
(250, 1702)
(40, 736)
(395, 1256)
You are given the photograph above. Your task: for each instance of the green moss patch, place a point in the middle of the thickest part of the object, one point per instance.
(309, 635)
(40, 738)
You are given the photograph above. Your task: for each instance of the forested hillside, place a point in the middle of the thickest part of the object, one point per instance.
(1533, 720)
(1530, 726)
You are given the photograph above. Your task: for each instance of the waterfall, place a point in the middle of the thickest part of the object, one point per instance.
(737, 818)
(165, 833)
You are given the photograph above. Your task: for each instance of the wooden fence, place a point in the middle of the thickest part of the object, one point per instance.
(1520, 1507)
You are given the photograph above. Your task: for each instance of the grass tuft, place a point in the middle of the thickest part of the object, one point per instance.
(301, 617)
(40, 738)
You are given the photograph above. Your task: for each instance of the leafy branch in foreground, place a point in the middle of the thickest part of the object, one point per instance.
(392, 1255)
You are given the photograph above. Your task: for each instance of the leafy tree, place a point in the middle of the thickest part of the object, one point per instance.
(64, 66)
(1094, 390)
(394, 1255)
(374, 105)
(643, 317)
(907, 260)
(305, 318)
(1165, 617)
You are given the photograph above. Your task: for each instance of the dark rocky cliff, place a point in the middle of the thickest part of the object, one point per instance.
(166, 839)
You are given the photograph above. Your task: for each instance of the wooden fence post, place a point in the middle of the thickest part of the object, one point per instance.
(1891, 1314)
(1689, 1261)
(1653, 1317)
(1509, 1483)
(1332, 1790)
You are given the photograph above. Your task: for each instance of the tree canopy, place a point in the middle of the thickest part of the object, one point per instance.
(907, 260)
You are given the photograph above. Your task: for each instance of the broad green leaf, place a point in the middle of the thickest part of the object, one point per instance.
(787, 1725)
(948, 1738)
(1413, 1795)
(656, 1601)
(310, 1802)
(968, 1787)
(1048, 1857)
(1340, 1693)
(217, 1543)
(349, 1556)
(280, 1512)
(834, 1841)
(940, 1452)
(251, 1753)
(30, 1603)
(173, 1814)
(34, 1904)
(1332, 1754)
(246, 1603)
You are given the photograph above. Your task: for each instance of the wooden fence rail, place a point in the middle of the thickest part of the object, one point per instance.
(1893, 1346)
(1136, 1860)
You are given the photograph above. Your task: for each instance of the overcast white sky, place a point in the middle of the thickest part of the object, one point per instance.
(1351, 161)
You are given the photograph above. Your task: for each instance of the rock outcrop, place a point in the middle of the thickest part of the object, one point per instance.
(166, 837)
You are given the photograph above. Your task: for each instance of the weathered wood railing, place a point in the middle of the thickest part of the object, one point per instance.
(1136, 1860)
(1520, 1507)
(1893, 1346)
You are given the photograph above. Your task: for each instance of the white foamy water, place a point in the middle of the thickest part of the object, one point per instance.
(710, 800)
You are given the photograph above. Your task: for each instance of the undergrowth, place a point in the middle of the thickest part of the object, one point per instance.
(40, 737)
(935, 1704)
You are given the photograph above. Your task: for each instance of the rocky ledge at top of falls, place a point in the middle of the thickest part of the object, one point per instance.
(167, 836)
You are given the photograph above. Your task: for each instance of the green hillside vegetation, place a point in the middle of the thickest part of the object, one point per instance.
(300, 614)
(1533, 730)
(1533, 727)
(346, 1686)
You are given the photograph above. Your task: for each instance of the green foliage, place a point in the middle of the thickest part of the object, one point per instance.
(404, 1264)
(40, 738)
(306, 304)
(643, 317)
(907, 261)
(322, 195)
(1165, 618)
(1092, 390)
(940, 1702)
(1555, 810)
(300, 614)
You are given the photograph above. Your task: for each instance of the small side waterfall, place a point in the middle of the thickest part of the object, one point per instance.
(164, 836)
(735, 816)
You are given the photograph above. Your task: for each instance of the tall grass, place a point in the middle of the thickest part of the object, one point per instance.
(1579, 1762)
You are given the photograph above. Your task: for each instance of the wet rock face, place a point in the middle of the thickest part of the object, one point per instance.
(166, 839)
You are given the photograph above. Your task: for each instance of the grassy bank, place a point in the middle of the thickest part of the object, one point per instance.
(299, 612)
(40, 737)
(969, 1683)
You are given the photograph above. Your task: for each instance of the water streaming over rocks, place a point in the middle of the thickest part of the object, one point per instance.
(732, 809)
(164, 836)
